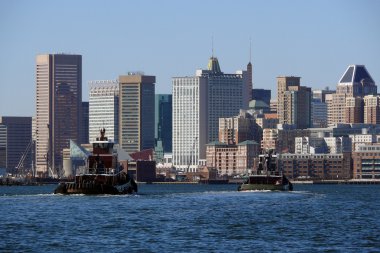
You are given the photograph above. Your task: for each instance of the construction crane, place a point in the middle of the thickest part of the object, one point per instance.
(23, 156)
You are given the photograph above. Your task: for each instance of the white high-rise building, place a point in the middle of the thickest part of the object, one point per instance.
(189, 121)
(104, 109)
(198, 103)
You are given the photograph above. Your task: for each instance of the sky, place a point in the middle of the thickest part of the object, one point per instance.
(315, 39)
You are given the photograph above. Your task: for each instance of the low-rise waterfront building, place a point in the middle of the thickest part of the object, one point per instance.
(316, 166)
(366, 162)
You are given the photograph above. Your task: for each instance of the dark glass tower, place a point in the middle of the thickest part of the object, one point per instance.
(163, 121)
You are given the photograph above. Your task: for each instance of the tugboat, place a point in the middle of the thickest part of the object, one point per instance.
(102, 175)
(267, 177)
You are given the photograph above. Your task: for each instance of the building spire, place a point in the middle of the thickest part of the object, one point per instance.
(249, 66)
(212, 46)
(250, 49)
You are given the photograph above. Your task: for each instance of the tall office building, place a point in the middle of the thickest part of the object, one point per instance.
(3, 146)
(84, 128)
(104, 109)
(355, 82)
(319, 105)
(136, 112)
(198, 103)
(372, 109)
(190, 134)
(58, 108)
(242, 127)
(294, 102)
(262, 94)
(19, 137)
(163, 121)
(354, 110)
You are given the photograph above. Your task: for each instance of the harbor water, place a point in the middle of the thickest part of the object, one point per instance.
(192, 218)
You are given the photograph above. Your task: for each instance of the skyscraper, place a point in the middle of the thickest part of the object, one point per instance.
(372, 109)
(198, 103)
(58, 108)
(136, 112)
(189, 121)
(3, 146)
(355, 82)
(104, 109)
(84, 129)
(294, 102)
(163, 121)
(354, 110)
(19, 137)
(261, 94)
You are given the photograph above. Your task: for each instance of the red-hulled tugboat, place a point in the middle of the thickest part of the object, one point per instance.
(103, 176)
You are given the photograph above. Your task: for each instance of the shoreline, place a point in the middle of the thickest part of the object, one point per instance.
(309, 182)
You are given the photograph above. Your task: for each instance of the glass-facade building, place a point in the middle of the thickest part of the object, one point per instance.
(18, 140)
(163, 121)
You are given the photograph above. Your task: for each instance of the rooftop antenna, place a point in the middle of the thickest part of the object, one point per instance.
(250, 49)
(212, 46)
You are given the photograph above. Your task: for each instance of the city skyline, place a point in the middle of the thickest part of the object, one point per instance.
(315, 40)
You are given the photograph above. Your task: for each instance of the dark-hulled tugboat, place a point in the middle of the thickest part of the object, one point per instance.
(267, 177)
(103, 176)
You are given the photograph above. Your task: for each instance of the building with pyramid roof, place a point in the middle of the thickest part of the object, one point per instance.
(347, 105)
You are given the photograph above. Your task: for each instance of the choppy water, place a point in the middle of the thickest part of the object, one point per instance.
(192, 218)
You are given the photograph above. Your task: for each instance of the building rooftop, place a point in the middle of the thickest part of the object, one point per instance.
(248, 142)
(355, 74)
(213, 65)
(216, 143)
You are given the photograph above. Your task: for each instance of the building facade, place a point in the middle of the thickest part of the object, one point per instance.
(58, 108)
(84, 130)
(316, 166)
(366, 162)
(136, 112)
(104, 109)
(19, 140)
(189, 122)
(262, 95)
(198, 103)
(163, 121)
(319, 115)
(354, 110)
(294, 102)
(372, 109)
(3, 146)
(355, 82)
(239, 128)
(232, 159)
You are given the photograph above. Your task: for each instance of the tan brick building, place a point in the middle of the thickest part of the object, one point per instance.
(231, 159)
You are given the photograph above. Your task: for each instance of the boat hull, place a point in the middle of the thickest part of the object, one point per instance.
(74, 188)
(99, 184)
(262, 187)
(266, 183)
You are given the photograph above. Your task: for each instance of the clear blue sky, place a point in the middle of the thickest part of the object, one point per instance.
(313, 39)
